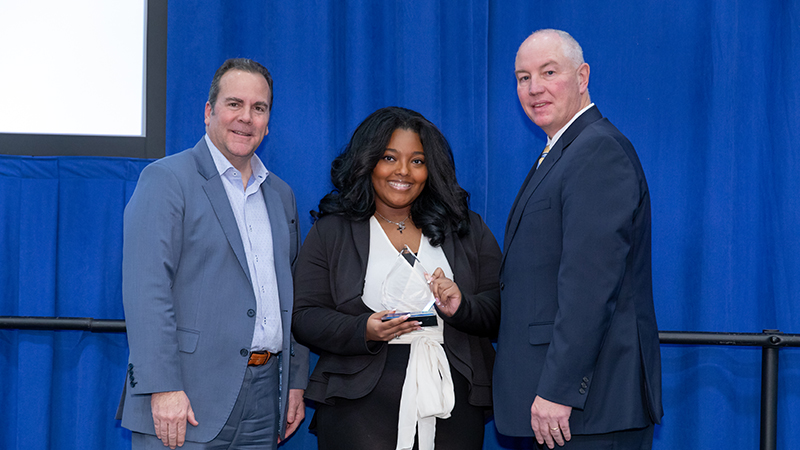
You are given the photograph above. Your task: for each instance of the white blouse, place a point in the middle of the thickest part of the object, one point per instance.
(382, 256)
(428, 387)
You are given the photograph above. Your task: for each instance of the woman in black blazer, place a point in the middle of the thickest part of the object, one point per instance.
(395, 186)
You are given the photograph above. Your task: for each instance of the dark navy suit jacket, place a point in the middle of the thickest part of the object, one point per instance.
(578, 325)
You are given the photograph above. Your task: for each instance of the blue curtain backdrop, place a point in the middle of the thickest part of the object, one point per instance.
(708, 91)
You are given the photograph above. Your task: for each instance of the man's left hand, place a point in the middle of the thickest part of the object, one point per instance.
(550, 422)
(295, 411)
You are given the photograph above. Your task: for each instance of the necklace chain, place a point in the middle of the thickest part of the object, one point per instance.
(401, 225)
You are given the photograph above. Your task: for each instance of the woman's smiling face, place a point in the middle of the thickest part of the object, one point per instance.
(400, 175)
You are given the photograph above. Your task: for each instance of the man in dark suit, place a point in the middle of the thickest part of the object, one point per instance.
(578, 359)
(210, 240)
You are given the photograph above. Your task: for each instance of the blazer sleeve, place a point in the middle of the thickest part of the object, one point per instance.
(153, 230)
(479, 311)
(298, 374)
(317, 320)
(600, 195)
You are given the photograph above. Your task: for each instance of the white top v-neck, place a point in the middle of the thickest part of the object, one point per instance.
(382, 256)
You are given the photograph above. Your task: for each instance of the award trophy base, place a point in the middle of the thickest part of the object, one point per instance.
(425, 318)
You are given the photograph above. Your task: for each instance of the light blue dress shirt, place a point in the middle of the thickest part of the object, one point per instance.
(252, 219)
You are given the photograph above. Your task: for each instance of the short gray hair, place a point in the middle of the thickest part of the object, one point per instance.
(569, 46)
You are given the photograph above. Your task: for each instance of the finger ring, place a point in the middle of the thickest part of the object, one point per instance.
(554, 429)
(396, 336)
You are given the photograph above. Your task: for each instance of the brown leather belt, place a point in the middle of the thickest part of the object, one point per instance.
(258, 358)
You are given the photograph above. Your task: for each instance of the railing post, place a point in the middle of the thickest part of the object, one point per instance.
(769, 393)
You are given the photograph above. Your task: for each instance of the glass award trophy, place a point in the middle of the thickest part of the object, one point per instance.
(407, 291)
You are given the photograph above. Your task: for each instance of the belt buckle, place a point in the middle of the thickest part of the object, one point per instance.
(258, 358)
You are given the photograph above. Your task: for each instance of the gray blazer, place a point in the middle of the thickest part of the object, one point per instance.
(186, 289)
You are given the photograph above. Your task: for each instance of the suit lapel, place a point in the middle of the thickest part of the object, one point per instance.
(519, 195)
(361, 235)
(280, 243)
(535, 176)
(219, 202)
(277, 221)
(449, 249)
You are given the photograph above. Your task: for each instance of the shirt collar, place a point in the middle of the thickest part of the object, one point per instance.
(260, 171)
(552, 142)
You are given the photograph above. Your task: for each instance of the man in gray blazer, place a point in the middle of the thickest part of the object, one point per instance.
(210, 240)
(578, 361)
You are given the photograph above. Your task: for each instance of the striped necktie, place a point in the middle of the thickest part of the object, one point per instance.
(542, 156)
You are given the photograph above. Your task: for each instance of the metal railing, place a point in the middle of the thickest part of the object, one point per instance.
(770, 342)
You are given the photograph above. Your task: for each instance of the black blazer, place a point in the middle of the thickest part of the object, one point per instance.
(330, 316)
(578, 324)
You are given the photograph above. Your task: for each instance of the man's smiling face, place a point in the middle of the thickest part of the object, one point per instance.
(239, 120)
(550, 87)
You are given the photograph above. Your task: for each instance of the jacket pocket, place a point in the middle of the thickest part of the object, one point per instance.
(538, 205)
(187, 340)
(540, 333)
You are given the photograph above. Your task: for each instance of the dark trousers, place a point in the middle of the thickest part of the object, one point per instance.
(253, 422)
(638, 439)
(370, 423)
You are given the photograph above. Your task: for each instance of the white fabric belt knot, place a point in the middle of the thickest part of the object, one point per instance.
(427, 394)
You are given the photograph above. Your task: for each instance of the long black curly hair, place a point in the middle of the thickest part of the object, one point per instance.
(442, 206)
